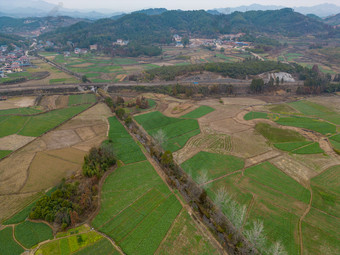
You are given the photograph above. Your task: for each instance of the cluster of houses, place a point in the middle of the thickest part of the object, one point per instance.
(228, 41)
(12, 61)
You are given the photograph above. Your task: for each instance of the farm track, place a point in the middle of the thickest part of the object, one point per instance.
(302, 217)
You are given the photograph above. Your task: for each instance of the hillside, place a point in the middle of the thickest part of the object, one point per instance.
(28, 26)
(146, 29)
(333, 20)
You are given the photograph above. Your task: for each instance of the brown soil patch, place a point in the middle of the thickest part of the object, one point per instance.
(87, 145)
(332, 102)
(261, 158)
(221, 113)
(13, 172)
(17, 102)
(228, 126)
(100, 129)
(68, 154)
(47, 171)
(242, 101)
(60, 139)
(11, 204)
(294, 169)
(49, 102)
(14, 142)
(316, 162)
(181, 108)
(85, 133)
(249, 144)
(61, 102)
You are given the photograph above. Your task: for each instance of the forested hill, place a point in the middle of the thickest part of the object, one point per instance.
(147, 29)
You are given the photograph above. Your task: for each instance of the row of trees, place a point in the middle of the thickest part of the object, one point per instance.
(238, 70)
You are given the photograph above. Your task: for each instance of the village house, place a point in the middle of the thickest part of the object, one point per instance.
(94, 47)
(3, 48)
(121, 42)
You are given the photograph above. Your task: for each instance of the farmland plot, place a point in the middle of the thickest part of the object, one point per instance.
(177, 131)
(137, 208)
(30, 233)
(8, 245)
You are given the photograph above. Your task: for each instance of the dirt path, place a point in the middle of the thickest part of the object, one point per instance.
(302, 217)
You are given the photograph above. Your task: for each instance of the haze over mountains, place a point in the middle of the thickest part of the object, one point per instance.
(40, 8)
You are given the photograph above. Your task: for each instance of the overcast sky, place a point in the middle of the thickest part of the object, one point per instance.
(130, 5)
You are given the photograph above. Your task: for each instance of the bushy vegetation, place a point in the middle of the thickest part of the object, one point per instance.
(66, 205)
(158, 29)
(234, 70)
(99, 160)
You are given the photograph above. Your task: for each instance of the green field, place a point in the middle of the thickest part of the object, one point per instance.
(190, 240)
(326, 191)
(278, 135)
(80, 241)
(270, 176)
(31, 233)
(81, 99)
(124, 146)
(282, 109)
(177, 131)
(101, 247)
(199, 112)
(138, 219)
(291, 146)
(256, 115)
(316, 110)
(8, 245)
(313, 148)
(211, 164)
(4, 153)
(20, 111)
(38, 124)
(279, 225)
(308, 123)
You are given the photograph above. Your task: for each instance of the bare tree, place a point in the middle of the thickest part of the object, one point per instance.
(202, 178)
(160, 137)
(277, 249)
(255, 235)
(237, 213)
(221, 197)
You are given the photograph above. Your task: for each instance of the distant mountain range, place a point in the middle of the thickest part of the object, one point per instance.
(40, 8)
(321, 10)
